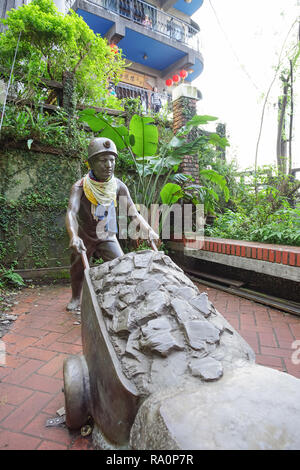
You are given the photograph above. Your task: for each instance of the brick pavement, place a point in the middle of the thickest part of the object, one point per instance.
(44, 334)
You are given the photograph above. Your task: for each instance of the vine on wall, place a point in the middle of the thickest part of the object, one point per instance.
(34, 192)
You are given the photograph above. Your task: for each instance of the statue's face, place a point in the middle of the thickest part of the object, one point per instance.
(103, 166)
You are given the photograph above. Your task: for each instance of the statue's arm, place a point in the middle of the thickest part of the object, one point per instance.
(133, 212)
(71, 218)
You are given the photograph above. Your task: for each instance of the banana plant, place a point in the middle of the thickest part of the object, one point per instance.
(142, 139)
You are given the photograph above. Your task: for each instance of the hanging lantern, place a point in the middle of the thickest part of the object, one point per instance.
(169, 82)
(176, 78)
(114, 48)
(183, 74)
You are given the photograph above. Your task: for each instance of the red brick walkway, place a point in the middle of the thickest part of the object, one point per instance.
(44, 334)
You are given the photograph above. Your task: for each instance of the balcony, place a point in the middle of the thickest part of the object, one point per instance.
(124, 90)
(152, 19)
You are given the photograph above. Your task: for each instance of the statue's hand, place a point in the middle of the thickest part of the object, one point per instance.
(77, 245)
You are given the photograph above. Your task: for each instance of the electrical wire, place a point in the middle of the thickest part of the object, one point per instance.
(9, 82)
(231, 47)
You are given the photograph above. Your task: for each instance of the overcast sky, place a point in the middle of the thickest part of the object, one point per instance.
(241, 48)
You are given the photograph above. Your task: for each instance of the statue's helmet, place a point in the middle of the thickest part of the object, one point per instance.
(102, 145)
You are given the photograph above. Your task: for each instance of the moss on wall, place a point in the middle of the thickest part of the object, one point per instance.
(34, 193)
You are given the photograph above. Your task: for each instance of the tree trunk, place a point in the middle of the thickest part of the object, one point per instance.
(281, 141)
(291, 116)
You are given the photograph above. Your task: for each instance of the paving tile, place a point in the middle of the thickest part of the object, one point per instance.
(13, 361)
(43, 383)
(20, 374)
(57, 402)
(292, 367)
(13, 394)
(5, 409)
(67, 348)
(295, 329)
(19, 418)
(269, 361)
(62, 327)
(280, 352)
(267, 339)
(17, 441)
(38, 353)
(72, 336)
(14, 346)
(50, 445)
(47, 340)
(34, 332)
(53, 366)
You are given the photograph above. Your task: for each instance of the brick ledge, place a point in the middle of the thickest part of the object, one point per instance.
(279, 254)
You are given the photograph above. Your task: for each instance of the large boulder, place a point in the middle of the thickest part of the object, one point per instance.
(250, 408)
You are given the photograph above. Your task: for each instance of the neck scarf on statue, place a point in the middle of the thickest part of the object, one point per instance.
(99, 193)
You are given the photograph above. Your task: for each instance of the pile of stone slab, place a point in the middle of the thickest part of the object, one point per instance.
(196, 377)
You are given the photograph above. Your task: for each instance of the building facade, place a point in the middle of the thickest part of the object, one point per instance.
(158, 39)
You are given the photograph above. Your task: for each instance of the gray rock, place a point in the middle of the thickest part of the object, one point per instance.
(132, 346)
(98, 272)
(261, 413)
(147, 286)
(206, 368)
(187, 293)
(140, 274)
(130, 297)
(155, 302)
(143, 258)
(162, 342)
(123, 267)
(108, 301)
(202, 303)
(98, 286)
(124, 321)
(198, 331)
(184, 311)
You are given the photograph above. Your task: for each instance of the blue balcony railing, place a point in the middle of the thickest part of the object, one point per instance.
(151, 18)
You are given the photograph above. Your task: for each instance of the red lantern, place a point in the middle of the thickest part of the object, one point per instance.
(114, 48)
(183, 74)
(176, 78)
(169, 82)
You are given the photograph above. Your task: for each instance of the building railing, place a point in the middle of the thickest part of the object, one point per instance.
(124, 90)
(151, 18)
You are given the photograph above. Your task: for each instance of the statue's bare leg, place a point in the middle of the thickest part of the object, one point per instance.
(107, 250)
(76, 272)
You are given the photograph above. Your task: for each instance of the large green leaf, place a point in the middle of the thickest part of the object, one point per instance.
(99, 124)
(170, 193)
(217, 179)
(145, 136)
(200, 120)
(218, 141)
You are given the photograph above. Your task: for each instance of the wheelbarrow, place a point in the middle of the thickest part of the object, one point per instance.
(94, 383)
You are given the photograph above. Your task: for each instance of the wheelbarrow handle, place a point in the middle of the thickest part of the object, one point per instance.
(85, 260)
(154, 247)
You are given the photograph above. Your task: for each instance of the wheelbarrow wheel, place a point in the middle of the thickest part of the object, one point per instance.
(76, 389)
